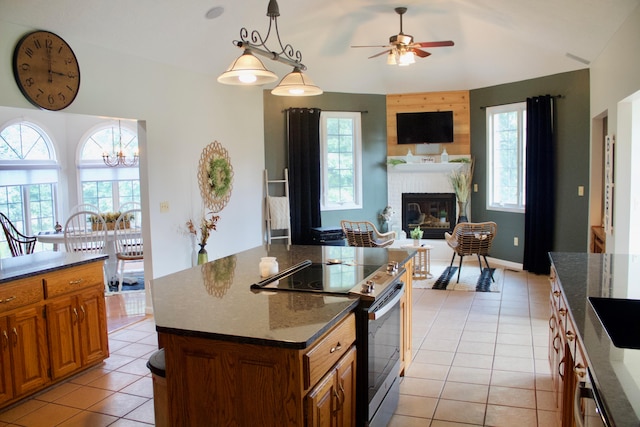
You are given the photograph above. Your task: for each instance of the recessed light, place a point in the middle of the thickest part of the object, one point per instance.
(214, 12)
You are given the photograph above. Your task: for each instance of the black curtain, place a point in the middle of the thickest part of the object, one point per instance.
(304, 172)
(540, 185)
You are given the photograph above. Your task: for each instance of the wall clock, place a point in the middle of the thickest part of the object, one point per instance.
(46, 70)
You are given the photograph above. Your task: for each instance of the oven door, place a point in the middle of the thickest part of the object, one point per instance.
(587, 410)
(383, 358)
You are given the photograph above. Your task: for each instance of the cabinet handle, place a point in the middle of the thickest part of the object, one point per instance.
(570, 335)
(337, 347)
(557, 349)
(556, 293)
(75, 282)
(552, 326)
(562, 311)
(560, 370)
(338, 403)
(76, 314)
(579, 369)
(84, 313)
(15, 335)
(6, 338)
(4, 301)
(344, 395)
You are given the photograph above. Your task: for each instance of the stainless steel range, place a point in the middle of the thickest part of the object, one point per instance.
(378, 325)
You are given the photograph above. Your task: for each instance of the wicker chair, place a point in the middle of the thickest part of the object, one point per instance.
(18, 242)
(365, 234)
(470, 238)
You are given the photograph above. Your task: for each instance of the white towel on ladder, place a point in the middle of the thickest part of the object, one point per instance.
(279, 212)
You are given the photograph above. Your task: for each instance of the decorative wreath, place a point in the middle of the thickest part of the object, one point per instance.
(215, 176)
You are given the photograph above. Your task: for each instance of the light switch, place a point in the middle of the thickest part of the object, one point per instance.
(475, 188)
(580, 190)
(164, 207)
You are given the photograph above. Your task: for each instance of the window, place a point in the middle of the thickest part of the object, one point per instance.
(106, 187)
(29, 176)
(341, 160)
(506, 143)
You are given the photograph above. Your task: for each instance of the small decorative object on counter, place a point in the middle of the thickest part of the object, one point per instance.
(58, 227)
(268, 266)
(444, 157)
(409, 157)
(203, 256)
(206, 225)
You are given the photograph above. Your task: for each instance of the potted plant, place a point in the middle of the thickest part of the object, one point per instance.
(416, 235)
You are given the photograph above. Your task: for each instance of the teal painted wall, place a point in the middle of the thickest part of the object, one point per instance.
(374, 145)
(572, 161)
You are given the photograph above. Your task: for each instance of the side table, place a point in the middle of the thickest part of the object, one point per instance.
(422, 261)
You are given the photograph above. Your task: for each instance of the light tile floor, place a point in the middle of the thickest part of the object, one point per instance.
(480, 359)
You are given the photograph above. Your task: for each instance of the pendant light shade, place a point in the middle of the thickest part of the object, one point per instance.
(247, 70)
(296, 84)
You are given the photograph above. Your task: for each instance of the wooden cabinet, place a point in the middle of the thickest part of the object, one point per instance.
(406, 341)
(566, 354)
(332, 401)
(217, 382)
(51, 326)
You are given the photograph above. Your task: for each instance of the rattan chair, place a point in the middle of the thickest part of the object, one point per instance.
(19, 244)
(470, 238)
(365, 234)
(128, 239)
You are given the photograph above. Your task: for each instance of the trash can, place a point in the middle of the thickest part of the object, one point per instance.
(159, 377)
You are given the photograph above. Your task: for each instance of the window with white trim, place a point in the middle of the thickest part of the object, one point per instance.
(107, 187)
(341, 160)
(29, 177)
(506, 155)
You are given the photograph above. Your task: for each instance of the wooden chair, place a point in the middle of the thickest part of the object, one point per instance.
(128, 240)
(365, 234)
(80, 236)
(470, 238)
(84, 207)
(19, 244)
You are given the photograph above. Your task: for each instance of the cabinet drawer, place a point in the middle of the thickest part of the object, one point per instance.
(322, 356)
(20, 293)
(73, 279)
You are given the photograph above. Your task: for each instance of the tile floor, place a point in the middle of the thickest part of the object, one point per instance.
(480, 359)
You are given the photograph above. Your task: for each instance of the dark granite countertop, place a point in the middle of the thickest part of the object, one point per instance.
(615, 371)
(41, 262)
(215, 301)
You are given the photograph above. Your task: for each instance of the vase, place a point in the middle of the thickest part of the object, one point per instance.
(462, 211)
(416, 242)
(203, 257)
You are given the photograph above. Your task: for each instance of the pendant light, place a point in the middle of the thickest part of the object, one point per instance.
(247, 70)
(296, 84)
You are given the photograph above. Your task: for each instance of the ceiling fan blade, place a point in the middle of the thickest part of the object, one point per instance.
(380, 45)
(434, 44)
(381, 53)
(420, 53)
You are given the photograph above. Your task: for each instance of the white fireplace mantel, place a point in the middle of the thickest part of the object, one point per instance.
(424, 167)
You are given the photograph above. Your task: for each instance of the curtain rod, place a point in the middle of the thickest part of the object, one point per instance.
(507, 103)
(332, 111)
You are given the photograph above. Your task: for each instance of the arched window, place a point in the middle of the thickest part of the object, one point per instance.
(105, 186)
(28, 179)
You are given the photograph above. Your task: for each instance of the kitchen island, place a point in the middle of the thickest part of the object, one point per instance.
(614, 372)
(236, 356)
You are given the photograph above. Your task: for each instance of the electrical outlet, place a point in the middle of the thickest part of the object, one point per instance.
(164, 207)
(475, 188)
(515, 241)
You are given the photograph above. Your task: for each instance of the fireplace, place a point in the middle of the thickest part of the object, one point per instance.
(434, 213)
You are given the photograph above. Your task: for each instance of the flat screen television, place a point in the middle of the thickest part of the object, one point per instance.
(425, 127)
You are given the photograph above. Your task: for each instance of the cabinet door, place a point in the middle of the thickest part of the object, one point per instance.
(6, 382)
(27, 337)
(406, 321)
(64, 338)
(93, 326)
(346, 384)
(322, 402)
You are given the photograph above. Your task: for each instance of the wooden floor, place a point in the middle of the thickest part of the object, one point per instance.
(124, 309)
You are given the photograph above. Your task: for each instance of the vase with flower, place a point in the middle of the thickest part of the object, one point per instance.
(208, 223)
(461, 180)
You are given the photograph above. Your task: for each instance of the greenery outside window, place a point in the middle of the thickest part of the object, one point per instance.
(506, 146)
(28, 177)
(106, 187)
(341, 160)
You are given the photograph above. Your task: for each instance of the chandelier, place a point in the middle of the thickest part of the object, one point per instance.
(249, 70)
(118, 158)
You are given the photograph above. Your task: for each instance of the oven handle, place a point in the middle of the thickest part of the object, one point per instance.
(379, 313)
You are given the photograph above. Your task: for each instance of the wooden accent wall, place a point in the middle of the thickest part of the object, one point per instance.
(456, 101)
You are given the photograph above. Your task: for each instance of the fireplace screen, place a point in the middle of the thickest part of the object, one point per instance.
(434, 213)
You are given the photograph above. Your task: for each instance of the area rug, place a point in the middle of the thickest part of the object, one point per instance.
(132, 281)
(471, 279)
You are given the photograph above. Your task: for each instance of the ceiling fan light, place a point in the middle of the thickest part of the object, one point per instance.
(407, 58)
(296, 84)
(391, 58)
(247, 70)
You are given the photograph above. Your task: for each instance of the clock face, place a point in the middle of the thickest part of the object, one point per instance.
(46, 70)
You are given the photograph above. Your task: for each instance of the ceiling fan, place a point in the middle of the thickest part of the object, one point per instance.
(402, 50)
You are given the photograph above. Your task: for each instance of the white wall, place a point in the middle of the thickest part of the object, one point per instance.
(615, 76)
(182, 112)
